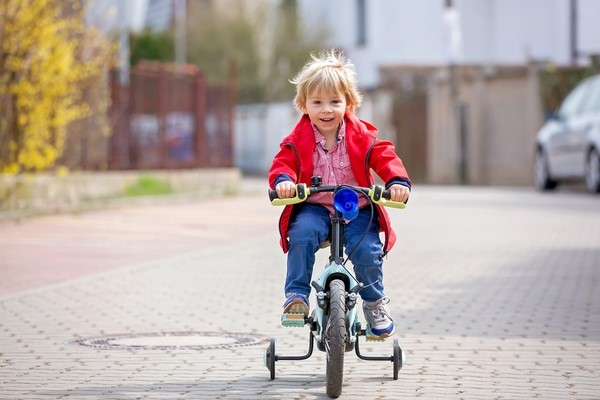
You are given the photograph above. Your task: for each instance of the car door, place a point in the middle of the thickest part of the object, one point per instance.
(562, 144)
(582, 128)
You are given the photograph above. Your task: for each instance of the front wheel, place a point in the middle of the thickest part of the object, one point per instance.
(335, 338)
(592, 171)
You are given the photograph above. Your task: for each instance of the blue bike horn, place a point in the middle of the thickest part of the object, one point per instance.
(346, 201)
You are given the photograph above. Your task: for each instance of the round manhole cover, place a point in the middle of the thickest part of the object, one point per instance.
(173, 340)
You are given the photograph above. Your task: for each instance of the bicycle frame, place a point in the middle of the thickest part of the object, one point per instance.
(334, 270)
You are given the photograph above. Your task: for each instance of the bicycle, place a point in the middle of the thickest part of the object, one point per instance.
(334, 323)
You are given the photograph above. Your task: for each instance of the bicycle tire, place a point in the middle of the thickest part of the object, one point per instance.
(397, 359)
(270, 358)
(335, 338)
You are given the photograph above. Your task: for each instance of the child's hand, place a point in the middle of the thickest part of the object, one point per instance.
(285, 189)
(399, 193)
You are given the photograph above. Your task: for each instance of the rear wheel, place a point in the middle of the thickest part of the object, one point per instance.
(335, 338)
(541, 173)
(398, 358)
(592, 171)
(269, 358)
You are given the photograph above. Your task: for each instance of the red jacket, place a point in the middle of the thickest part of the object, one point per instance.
(365, 152)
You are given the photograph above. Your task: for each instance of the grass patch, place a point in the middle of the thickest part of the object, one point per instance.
(148, 185)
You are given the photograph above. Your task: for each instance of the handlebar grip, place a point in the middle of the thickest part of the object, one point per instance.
(302, 192)
(273, 195)
(382, 196)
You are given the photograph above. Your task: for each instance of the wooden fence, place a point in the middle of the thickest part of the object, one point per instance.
(169, 117)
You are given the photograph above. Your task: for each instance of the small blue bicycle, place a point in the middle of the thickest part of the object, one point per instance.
(334, 323)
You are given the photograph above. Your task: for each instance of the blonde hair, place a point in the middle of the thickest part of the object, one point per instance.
(327, 71)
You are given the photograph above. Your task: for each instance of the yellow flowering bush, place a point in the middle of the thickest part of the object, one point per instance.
(45, 61)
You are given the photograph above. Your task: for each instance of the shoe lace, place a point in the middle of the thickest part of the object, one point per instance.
(378, 310)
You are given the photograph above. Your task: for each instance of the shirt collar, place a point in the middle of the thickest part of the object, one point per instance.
(319, 138)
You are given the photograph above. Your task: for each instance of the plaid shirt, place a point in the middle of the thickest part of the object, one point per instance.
(333, 167)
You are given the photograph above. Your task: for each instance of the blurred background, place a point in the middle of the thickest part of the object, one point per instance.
(460, 86)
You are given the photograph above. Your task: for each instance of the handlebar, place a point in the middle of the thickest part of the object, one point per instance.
(376, 193)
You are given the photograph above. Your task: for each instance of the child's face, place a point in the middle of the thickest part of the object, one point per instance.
(326, 111)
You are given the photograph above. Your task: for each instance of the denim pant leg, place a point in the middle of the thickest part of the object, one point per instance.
(308, 229)
(367, 257)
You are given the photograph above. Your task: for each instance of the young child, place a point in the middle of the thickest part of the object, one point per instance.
(331, 142)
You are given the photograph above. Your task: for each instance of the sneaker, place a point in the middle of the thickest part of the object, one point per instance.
(296, 304)
(378, 317)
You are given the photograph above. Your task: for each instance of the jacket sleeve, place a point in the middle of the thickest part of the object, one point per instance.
(386, 163)
(285, 162)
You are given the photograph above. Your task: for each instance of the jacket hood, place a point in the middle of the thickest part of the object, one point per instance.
(361, 125)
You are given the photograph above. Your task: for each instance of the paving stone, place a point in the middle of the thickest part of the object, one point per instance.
(494, 290)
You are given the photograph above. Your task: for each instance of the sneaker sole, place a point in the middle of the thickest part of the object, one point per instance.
(371, 337)
(297, 307)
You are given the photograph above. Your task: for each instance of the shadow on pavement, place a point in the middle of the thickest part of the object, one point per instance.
(281, 388)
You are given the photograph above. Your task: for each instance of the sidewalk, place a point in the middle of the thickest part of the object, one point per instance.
(495, 292)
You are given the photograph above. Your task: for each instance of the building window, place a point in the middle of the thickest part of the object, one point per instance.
(361, 22)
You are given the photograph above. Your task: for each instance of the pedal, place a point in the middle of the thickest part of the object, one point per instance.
(293, 320)
(372, 338)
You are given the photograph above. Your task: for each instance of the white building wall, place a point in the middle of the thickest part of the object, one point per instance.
(500, 32)
(514, 31)
(104, 14)
(259, 129)
(589, 26)
(398, 31)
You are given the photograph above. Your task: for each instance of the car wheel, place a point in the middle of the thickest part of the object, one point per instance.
(592, 171)
(541, 174)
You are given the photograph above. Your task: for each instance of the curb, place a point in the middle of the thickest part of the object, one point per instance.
(28, 196)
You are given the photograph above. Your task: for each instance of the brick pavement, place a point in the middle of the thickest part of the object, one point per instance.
(495, 292)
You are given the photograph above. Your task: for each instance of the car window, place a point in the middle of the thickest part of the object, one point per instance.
(592, 102)
(571, 106)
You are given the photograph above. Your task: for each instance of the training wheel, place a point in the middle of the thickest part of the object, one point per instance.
(269, 358)
(399, 359)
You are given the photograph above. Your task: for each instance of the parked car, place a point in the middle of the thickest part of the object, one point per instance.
(568, 145)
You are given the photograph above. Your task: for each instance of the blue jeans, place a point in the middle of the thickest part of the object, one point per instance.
(310, 226)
